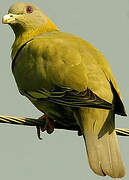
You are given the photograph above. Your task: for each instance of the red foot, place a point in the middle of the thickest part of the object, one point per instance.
(49, 126)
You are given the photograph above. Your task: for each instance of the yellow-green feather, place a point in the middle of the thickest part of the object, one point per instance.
(24, 37)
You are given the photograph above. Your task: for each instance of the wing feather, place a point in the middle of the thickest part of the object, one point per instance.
(70, 98)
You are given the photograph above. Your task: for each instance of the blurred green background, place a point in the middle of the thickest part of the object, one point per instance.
(62, 155)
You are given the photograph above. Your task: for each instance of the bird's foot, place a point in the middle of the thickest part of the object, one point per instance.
(79, 132)
(48, 125)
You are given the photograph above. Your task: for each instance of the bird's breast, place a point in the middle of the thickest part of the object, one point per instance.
(29, 72)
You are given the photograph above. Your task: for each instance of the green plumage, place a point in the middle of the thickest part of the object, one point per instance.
(68, 79)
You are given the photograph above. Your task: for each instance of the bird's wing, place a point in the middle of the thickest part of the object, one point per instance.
(67, 62)
(69, 98)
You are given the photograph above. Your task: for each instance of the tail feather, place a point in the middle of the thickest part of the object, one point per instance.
(101, 142)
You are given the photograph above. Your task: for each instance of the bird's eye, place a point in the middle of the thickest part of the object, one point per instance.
(29, 9)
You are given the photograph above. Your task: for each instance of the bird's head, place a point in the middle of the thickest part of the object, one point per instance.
(25, 17)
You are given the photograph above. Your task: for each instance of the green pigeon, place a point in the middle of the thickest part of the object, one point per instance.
(68, 80)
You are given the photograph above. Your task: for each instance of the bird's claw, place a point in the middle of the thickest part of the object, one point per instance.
(38, 132)
(48, 126)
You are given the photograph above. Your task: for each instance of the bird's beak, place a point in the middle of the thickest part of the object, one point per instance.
(9, 18)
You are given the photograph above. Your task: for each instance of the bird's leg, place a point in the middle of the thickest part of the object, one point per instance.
(57, 125)
(48, 125)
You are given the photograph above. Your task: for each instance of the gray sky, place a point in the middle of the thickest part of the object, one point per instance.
(62, 155)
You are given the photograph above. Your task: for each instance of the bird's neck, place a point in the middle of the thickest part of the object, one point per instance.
(23, 37)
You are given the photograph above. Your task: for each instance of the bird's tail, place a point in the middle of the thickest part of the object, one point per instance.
(98, 128)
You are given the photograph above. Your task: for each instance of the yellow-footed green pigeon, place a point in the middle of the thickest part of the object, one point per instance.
(68, 80)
